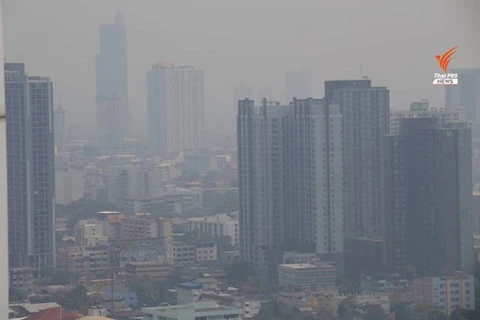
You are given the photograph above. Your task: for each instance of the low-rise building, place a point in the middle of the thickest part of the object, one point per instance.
(90, 233)
(189, 292)
(306, 276)
(217, 225)
(144, 225)
(69, 186)
(83, 261)
(21, 279)
(365, 299)
(157, 270)
(179, 253)
(448, 293)
(199, 310)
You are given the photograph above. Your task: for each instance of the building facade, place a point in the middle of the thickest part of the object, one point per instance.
(31, 168)
(448, 293)
(69, 186)
(4, 276)
(110, 131)
(112, 80)
(175, 108)
(365, 110)
(60, 132)
(427, 187)
(291, 183)
(306, 276)
(421, 109)
(216, 226)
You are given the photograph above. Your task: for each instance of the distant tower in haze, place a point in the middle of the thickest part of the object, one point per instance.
(111, 73)
(110, 132)
(298, 84)
(60, 132)
(176, 115)
(31, 168)
(4, 276)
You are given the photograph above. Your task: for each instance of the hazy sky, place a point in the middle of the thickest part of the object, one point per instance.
(255, 42)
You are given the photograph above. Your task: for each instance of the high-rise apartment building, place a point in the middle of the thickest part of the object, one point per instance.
(298, 84)
(110, 132)
(31, 168)
(176, 118)
(427, 186)
(4, 274)
(112, 78)
(466, 95)
(365, 111)
(421, 109)
(290, 182)
(60, 132)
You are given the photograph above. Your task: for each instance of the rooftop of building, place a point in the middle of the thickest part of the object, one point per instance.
(299, 266)
(198, 307)
(190, 285)
(148, 263)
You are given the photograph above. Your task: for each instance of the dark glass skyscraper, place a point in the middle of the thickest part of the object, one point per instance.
(31, 170)
(427, 188)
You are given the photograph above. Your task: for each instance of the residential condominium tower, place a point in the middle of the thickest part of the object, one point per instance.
(291, 183)
(365, 110)
(427, 187)
(176, 116)
(31, 168)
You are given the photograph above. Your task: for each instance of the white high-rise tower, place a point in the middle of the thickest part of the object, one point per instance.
(3, 189)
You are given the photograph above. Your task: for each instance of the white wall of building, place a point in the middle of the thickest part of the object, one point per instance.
(69, 186)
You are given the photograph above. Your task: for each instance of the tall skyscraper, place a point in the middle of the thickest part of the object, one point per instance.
(290, 161)
(242, 91)
(427, 187)
(110, 132)
(60, 132)
(365, 111)
(31, 169)
(4, 276)
(298, 84)
(176, 115)
(466, 95)
(111, 71)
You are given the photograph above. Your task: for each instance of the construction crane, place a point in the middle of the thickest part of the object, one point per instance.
(113, 261)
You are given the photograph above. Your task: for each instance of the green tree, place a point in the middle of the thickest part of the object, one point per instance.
(149, 292)
(422, 312)
(75, 300)
(348, 286)
(348, 309)
(15, 294)
(239, 272)
(402, 311)
(374, 312)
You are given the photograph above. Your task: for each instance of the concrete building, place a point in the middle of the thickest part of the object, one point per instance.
(208, 310)
(31, 168)
(144, 225)
(298, 84)
(83, 261)
(170, 200)
(218, 225)
(60, 132)
(427, 185)
(365, 111)
(448, 293)
(112, 84)
(157, 270)
(175, 108)
(90, 233)
(306, 276)
(69, 186)
(22, 279)
(290, 184)
(364, 257)
(466, 96)
(421, 109)
(199, 162)
(368, 298)
(179, 253)
(110, 132)
(3, 186)
(189, 292)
